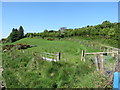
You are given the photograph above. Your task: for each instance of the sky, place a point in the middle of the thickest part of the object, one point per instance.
(38, 16)
(60, 0)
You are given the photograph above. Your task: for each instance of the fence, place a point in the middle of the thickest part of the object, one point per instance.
(51, 56)
(102, 65)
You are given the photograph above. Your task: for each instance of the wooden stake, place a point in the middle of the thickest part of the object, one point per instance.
(113, 54)
(83, 56)
(101, 63)
(58, 56)
(96, 62)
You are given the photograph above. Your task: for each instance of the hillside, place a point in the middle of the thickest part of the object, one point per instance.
(25, 69)
(27, 59)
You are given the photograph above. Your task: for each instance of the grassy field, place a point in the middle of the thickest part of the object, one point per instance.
(23, 69)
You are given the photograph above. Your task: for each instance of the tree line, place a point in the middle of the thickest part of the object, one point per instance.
(106, 30)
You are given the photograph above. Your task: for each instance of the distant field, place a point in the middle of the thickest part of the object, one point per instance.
(23, 69)
(69, 49)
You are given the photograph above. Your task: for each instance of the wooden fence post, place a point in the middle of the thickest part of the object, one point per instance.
(96, 62)
(102, 63)
(83, 56)
(113, 54)
(58, 56)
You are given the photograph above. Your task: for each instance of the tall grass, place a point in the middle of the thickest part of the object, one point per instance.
(23, 69)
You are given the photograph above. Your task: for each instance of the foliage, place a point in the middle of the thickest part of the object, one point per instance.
(106, 30)
(16, 35)
(21, 32)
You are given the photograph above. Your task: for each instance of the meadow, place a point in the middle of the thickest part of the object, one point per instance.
(23, 69)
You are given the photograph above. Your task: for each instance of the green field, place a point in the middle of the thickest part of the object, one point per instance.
(23, 69)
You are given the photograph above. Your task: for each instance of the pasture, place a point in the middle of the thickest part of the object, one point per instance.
(25, 69)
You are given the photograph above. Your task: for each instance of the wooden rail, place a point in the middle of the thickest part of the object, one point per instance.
(97, 53)
(51, 56)
(99, 58)
(101, 53)
(48, 53)
(110, 47)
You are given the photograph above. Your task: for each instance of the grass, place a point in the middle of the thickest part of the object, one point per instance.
(97, 40)
(23, 69)
(69, 50)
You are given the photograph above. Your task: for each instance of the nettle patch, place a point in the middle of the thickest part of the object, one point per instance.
(17, 46)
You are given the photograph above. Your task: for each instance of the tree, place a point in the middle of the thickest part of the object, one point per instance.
(13, 35)
(46, 31)
(16, 34)
(21, 32)
(106, 22)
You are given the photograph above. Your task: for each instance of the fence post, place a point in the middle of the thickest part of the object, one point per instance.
(101, 63)
(96, 62)
(113, 54)
(83, 56)
(58, 56)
